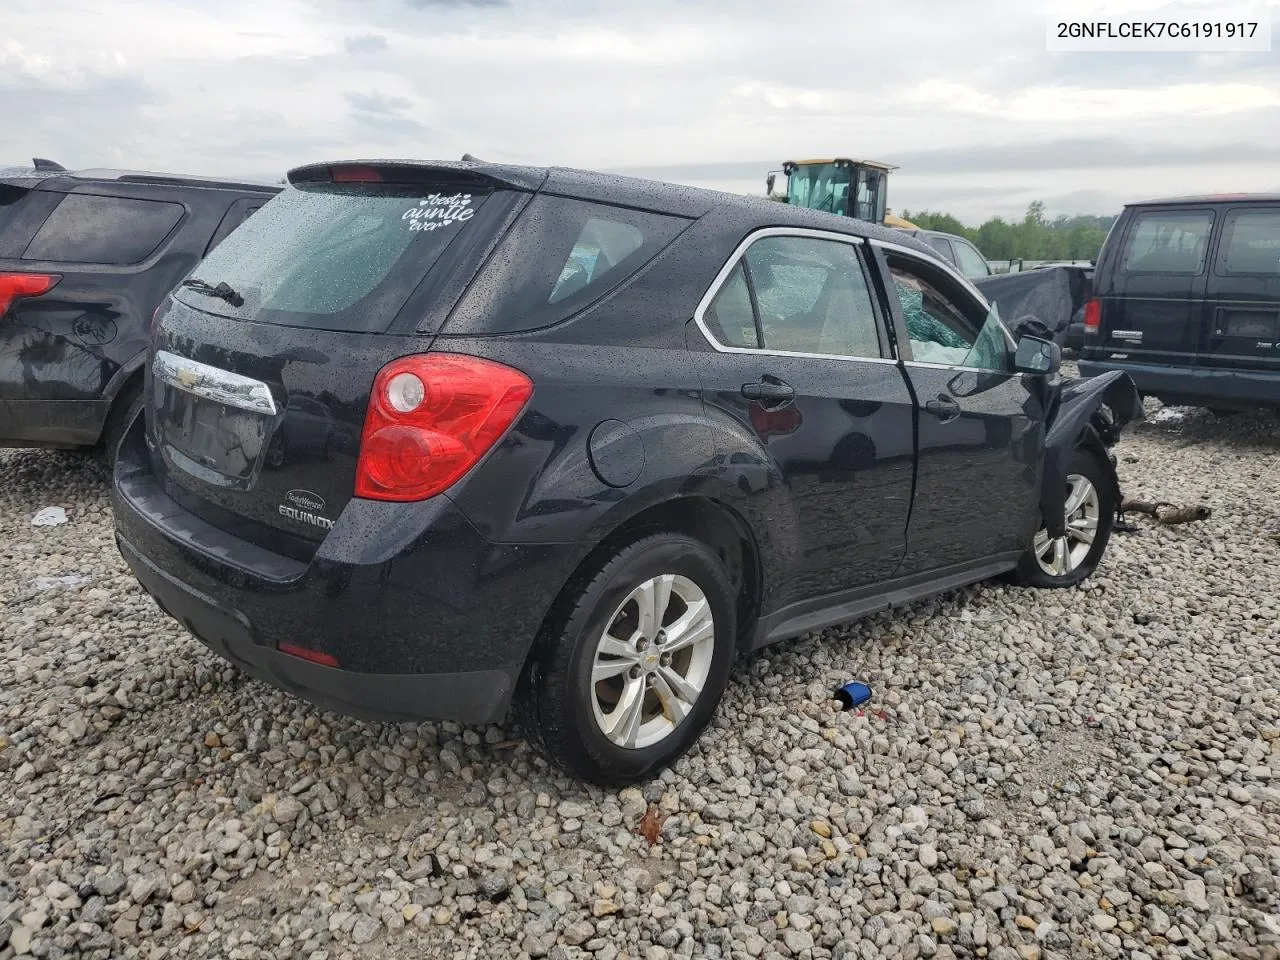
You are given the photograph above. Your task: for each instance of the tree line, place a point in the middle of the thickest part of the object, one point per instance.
(1033, 238)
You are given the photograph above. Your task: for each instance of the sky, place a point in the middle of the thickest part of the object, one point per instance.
(962, 96)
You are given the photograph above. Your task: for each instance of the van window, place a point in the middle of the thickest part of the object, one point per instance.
(1251, 243)
(107, 230)
(1168, 242)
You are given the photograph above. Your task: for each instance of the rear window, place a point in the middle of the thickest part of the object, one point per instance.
(561, 256)
(116, 231)
(9, 197)
(1168, 242)
(1251, 243)
(335, 256)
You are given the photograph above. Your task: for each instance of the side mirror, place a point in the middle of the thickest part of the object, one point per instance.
(771, 185)
(1038, 356)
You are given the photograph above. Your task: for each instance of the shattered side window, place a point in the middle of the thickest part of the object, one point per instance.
(941, 332)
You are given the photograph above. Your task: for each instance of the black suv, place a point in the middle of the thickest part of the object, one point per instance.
(424, 440)
(85, 259)
(1187, 301)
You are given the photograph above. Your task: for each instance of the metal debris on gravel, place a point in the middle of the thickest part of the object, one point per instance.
(1084, 773)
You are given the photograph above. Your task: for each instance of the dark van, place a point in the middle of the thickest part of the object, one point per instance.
(1187, 301)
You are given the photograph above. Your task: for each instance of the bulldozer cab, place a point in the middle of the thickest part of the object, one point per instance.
(845, 187)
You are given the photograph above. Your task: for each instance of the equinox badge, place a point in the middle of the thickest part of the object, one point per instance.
(305, 506)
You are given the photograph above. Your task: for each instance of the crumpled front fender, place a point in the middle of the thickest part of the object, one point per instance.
(1076, 417)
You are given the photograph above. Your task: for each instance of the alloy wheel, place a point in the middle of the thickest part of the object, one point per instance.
(652, 661)
(1060, 556)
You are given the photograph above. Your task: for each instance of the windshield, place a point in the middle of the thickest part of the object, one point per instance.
(819, 186)
(333, 256)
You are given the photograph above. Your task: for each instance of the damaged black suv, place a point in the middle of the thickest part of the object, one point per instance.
(437, 440)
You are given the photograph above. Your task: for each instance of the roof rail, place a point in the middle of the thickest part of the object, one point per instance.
(47, 165)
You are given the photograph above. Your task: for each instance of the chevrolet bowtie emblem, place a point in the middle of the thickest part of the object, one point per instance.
(188, 378)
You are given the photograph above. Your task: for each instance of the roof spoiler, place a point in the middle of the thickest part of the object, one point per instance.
(467, 174)
(47, 166)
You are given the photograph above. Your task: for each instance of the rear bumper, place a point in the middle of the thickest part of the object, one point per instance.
(1196, 385)
(475, 696)
(425, 619)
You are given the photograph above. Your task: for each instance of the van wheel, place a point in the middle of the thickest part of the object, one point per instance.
(125, 409)
(631, 671)
(1091, 511)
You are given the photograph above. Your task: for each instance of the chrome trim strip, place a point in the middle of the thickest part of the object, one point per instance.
(212, 383)
(728, 268)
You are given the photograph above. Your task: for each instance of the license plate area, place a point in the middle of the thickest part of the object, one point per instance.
(1248, 324)
(218, 443)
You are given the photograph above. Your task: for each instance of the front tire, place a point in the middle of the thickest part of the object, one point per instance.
(632, 666)
(1091, 511)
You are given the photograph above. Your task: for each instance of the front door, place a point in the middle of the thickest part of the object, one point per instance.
(800, 366)
(981, 429)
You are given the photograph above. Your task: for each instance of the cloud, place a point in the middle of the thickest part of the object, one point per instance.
(1068, 104)
(377, 103)
(974, 110)
(365, 43)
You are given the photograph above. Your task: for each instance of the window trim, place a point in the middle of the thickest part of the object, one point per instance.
(900, 321)
(738, 255)
(1229, 217)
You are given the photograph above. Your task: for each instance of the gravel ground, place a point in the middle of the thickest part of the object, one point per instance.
(1093, 772)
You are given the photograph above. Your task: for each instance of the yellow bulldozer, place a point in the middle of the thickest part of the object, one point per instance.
(843, 186)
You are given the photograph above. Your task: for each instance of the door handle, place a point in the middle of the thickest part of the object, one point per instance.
(769, 390)
(944, 408)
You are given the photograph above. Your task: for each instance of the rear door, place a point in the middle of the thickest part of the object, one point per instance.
(801, 361)
(1154, 310)
(980, 432)
(1242, 329)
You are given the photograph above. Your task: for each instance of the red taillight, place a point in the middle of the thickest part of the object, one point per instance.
(431, 418)
(355, 175)
(1093, 316)
(305, 653)
(15, 285)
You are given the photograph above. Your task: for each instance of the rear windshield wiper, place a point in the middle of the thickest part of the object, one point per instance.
(222, 290)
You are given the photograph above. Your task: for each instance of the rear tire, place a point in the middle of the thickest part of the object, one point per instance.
(125, 409)
(1091, 512)
(632, 666)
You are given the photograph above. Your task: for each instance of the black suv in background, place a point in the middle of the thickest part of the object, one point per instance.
(1186, 300)
(85, 259)
(427, 440)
